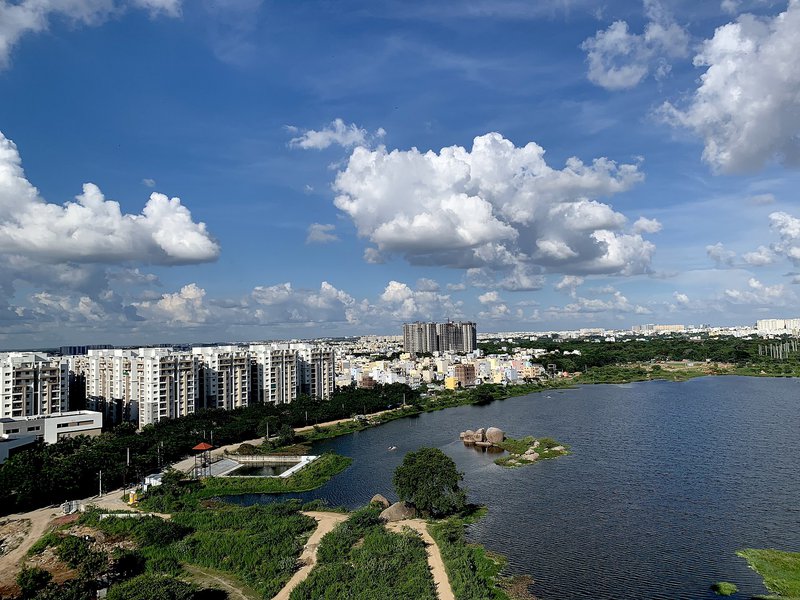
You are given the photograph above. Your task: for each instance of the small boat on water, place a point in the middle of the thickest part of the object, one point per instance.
(392, 448)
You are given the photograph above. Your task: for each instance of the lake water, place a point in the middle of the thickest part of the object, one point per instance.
(270, 470)
(665, 482)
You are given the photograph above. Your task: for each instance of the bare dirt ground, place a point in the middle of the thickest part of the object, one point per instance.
(326, 521)
(435, 562)
(12, 533)
(209, 578)
(39, 521)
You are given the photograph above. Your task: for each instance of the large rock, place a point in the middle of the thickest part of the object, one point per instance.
(480, 435)
(469, 436)
(399, 511)
(378, 499)
(495, 435)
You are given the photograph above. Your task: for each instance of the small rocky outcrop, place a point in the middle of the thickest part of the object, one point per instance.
(495, 435)
(492, 436)
(380, 500)
(399, 511)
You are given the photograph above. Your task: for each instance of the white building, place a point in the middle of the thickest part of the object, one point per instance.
(316, 375)
(165, 384)
(275, 373)
(224, 376)
(778, 326)
(18, 432)
(32, 384)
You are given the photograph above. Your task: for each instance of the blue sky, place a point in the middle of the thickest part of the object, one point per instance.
(264, 170)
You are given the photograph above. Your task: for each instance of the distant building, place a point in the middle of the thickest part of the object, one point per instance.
(316, 374)
(778, 326)
(439, 337)
(464, 374)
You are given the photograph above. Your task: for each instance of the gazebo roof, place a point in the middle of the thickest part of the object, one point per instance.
(203, 446)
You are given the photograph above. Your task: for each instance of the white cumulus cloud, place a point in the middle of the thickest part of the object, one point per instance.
(619, 59)
(788, 229)
(93, 229)
(746, 107)
(645, 225)
(721, 255)
(496, 207)
(321, 233)
(337, 132)
(18, 18)
(759, 257)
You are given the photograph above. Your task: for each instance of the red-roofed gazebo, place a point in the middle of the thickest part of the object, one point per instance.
(202, 460)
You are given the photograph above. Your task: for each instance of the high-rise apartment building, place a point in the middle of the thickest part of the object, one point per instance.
(316, 376)
(165, 384)
(274, 373)
(32, 384)
(443, 337)
(224, 377)
(151, 384)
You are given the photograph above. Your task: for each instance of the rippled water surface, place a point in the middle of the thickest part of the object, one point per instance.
(665, 482)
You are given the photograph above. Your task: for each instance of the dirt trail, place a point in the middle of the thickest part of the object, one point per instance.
(435, 562)
(39, 519)
(208, 579)
(326, 521)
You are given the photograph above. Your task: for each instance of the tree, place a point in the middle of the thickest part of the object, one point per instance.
(428, 479)
(32, 580)
(152, 587)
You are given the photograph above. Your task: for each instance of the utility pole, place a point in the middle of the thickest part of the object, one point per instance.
(100, 475)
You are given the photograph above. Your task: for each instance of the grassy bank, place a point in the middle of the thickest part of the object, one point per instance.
(361, 559)
(179, 496)
(780, 571)
(473, 572)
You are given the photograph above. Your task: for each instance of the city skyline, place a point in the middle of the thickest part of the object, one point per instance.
(343, 170)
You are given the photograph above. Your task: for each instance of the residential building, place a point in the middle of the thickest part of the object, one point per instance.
(32, 384)
(224, 380)
(316, 374)
(439, 337)
(165, 384)
(274, 373)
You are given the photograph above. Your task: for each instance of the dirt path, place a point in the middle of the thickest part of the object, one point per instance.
(205, 578)
(326, 521)
(39, 519)
(435, 562)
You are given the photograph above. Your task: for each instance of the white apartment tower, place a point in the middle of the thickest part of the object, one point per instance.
(225, 376)
(32, 384)
(274, 373)
(109, 374)
(165, 384)
(316, 374)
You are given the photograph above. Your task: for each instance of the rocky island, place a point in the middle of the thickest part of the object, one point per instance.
(519, 452)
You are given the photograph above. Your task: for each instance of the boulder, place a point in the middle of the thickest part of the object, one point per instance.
(378, 499)
(480, 435)
(461, 435)
(399, 511)
(536, 444)
(469, 436)
(530, 455)
(495, 435)
(558, 449)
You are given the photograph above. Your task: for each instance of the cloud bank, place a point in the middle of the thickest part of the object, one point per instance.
(495, 207)
(746, 106)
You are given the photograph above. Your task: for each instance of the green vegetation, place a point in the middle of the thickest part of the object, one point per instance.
(473, 573)
(724, 588)
(361, 559)
(743, 353)
(32, 580)
(68, 469)
(780, 570)
(154, 587)
(516, 448)
(180, 495)
(428, 479)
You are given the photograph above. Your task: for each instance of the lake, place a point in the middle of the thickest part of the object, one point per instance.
(665, 482)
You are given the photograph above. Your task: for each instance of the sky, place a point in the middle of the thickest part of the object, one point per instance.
(232, 170)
